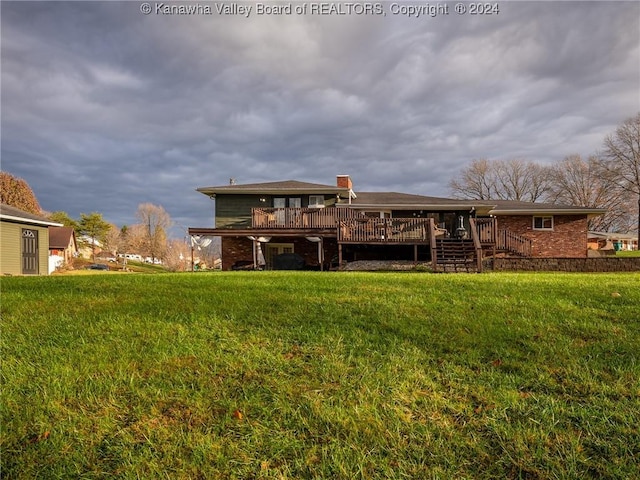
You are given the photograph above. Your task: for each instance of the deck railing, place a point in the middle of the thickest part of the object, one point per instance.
(487, 230)
(384, 230)
(513, 243)
(299, 218)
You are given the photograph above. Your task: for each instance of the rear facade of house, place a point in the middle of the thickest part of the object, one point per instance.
(266, 225)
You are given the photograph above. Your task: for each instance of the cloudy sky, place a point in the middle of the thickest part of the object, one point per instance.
(104, 107)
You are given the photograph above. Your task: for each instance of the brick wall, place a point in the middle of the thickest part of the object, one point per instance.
(629, 264)
(567, 240)
(234, 249)
(241, 248)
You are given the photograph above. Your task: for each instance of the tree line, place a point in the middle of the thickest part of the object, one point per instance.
(609, 179)
(147, 238)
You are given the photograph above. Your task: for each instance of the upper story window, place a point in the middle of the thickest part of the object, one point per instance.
(543, 223)
(316, 201)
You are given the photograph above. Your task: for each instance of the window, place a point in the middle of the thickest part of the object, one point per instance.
(316, 201)
(543, 223)
(295, 202)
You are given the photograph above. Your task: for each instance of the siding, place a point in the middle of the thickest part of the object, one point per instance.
(234, 211)
(10, 248)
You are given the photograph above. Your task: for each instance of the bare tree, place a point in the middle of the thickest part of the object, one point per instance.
(178, 258)
(155, 221)
(585, 183)
(514, 179)
(476, 182)
(621, 157)
(521, 180)
(113, 240)
(133, 238)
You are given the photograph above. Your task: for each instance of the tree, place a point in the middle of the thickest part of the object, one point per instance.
(64, 219)
(17, 193)
(476, 182)
(515, 179)
(585, 183)
(178, 258)
(95, 228)
(621, 157)
(521, 180)
(113, 239)
(155, 221)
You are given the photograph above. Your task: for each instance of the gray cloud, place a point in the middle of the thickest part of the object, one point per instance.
(104, 108)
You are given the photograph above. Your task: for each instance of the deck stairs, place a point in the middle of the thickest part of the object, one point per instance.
(455, 255)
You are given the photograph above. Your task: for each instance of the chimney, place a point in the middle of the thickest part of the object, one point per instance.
(344, 181)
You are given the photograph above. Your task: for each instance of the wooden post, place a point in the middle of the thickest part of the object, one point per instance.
(415, 253)
(432, 242)
(339, 255)
(255, 263)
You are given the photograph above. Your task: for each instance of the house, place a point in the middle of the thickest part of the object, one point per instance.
(612, 241)
(328, 225)
(88, 246)
(63, 247)
(24, 242)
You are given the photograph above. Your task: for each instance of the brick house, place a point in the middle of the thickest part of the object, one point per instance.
(328, 225)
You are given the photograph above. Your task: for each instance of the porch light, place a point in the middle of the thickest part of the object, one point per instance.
(263, 200)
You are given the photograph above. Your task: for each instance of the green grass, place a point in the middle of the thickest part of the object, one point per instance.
(628, 253)
(273, 375)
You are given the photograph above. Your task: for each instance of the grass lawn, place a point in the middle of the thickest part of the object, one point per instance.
(628, 253)
(274, 375)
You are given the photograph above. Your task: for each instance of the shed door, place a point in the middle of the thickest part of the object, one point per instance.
(29, 251)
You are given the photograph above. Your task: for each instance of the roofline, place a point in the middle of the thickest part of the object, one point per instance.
(213, 191)
(549, 211)
(621, 236)
(12, 218)
(419, 206)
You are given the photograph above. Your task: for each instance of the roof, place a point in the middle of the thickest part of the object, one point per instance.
(511, 207)
(403, 201)
(9, 213)
(283, 187)
(612, 236)
(60, 237)
(400, 201)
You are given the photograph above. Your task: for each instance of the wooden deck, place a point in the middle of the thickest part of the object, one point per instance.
(302, 218)
(352, 227)
(384, 230)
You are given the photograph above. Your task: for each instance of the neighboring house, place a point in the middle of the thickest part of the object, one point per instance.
(328, 225)
(63, 247)
(24, 242)
(86, 246)
(612, 241)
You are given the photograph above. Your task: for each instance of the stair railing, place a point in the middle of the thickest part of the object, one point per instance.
(514, 243)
